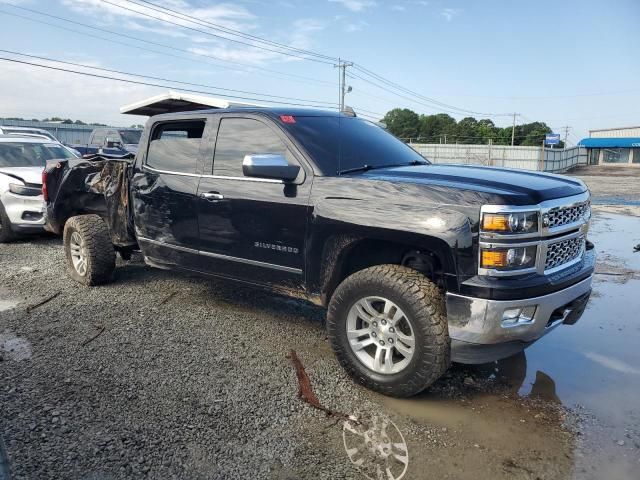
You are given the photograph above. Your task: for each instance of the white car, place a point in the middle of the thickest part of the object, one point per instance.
(11, 130)
(22, 160)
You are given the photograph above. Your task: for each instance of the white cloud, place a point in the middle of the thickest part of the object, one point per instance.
(398, 8)
(355, 27)
(225, 14)
(450, 13)
(356, 5)
(213, 43)
(299, 37)
(85, 98)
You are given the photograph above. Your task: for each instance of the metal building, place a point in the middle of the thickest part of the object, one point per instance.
(613, 146)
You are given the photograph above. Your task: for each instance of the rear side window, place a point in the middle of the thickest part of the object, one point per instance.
(175, 146)
(238, 137)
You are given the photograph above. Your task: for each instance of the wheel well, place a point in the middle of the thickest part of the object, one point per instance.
(366, 253)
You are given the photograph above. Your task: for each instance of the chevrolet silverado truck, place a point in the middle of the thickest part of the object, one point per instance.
(418, 264)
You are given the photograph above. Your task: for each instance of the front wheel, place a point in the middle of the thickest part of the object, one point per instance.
(387, 325)
(91, 258)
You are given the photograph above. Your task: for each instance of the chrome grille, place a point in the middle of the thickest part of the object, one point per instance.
(565, 215)
(563, 252)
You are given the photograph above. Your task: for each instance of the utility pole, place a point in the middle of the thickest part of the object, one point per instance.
(566, 134)
(342, 65)
(513, 129)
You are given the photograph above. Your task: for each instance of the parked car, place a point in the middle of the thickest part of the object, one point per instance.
(12, 130)
(418, 264)
(22, 160)
(111, 141)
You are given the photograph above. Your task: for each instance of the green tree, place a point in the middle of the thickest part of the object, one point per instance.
(433, 128)
(402, 122)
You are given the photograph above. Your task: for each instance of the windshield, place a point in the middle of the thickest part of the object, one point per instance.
(130, 136)
(22, 154)
(343, 143)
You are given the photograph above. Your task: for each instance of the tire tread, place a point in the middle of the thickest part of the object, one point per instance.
(428, 314)
(101, 258)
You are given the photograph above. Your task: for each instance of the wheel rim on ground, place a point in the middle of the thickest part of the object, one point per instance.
(380, 335)
(78, 256)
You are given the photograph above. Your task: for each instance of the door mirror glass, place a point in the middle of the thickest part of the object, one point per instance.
(269, 165)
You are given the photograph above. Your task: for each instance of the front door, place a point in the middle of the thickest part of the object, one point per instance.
(253, 229)
(163, 192)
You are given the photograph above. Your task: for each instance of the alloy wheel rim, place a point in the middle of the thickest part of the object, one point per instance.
(78, 254)
(380, 335)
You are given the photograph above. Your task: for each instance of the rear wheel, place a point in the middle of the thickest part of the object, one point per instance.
(90, 256)
(6, 234)
(387, 325)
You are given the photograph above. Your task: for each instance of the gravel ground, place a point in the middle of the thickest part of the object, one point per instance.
(611, 185)
(167, 375)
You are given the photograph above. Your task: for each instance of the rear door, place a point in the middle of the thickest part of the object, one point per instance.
(163, 192)
(253, 229)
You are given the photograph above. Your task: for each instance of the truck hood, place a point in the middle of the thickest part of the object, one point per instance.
(516, 187)
(31, 175)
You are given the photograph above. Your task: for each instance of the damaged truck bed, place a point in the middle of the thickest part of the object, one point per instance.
(96, 184)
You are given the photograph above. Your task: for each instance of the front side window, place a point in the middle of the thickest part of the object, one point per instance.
(20, 154)
(238, 137)
(175, 146)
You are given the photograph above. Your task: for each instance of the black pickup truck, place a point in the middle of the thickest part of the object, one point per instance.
(418, 264)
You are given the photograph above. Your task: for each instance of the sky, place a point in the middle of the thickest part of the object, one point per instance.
(567, 63)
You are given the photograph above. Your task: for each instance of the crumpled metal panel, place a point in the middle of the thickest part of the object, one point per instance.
(98, 184)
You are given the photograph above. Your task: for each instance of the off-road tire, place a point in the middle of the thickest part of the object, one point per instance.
(6, 234)
(99, 253)
(422, 302)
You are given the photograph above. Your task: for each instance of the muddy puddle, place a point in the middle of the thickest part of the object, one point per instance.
(591, 368)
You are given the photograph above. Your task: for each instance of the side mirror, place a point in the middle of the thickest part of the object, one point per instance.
(269, 165)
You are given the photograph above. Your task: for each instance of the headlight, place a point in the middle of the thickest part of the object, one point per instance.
(24, 190)
(516, 222)
(514, 258)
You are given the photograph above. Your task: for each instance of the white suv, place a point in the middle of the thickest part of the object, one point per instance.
(22, 160)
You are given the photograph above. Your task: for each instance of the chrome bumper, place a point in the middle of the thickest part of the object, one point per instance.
(480, 321)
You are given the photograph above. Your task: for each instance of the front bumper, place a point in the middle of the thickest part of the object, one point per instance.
(26, 214)
(479, 333)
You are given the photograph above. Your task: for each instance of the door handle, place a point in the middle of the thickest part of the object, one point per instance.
(212, 196)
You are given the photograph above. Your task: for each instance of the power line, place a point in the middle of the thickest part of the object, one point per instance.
(224, 29)
(428, 99)
(120, 72)
(410, 99)
(204, 32)
(376, 114)
(120, 34)
(87, 74)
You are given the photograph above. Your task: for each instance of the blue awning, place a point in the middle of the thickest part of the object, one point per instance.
(629, 142)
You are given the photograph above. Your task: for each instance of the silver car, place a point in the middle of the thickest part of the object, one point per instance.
(22, 160)
(12, 130)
